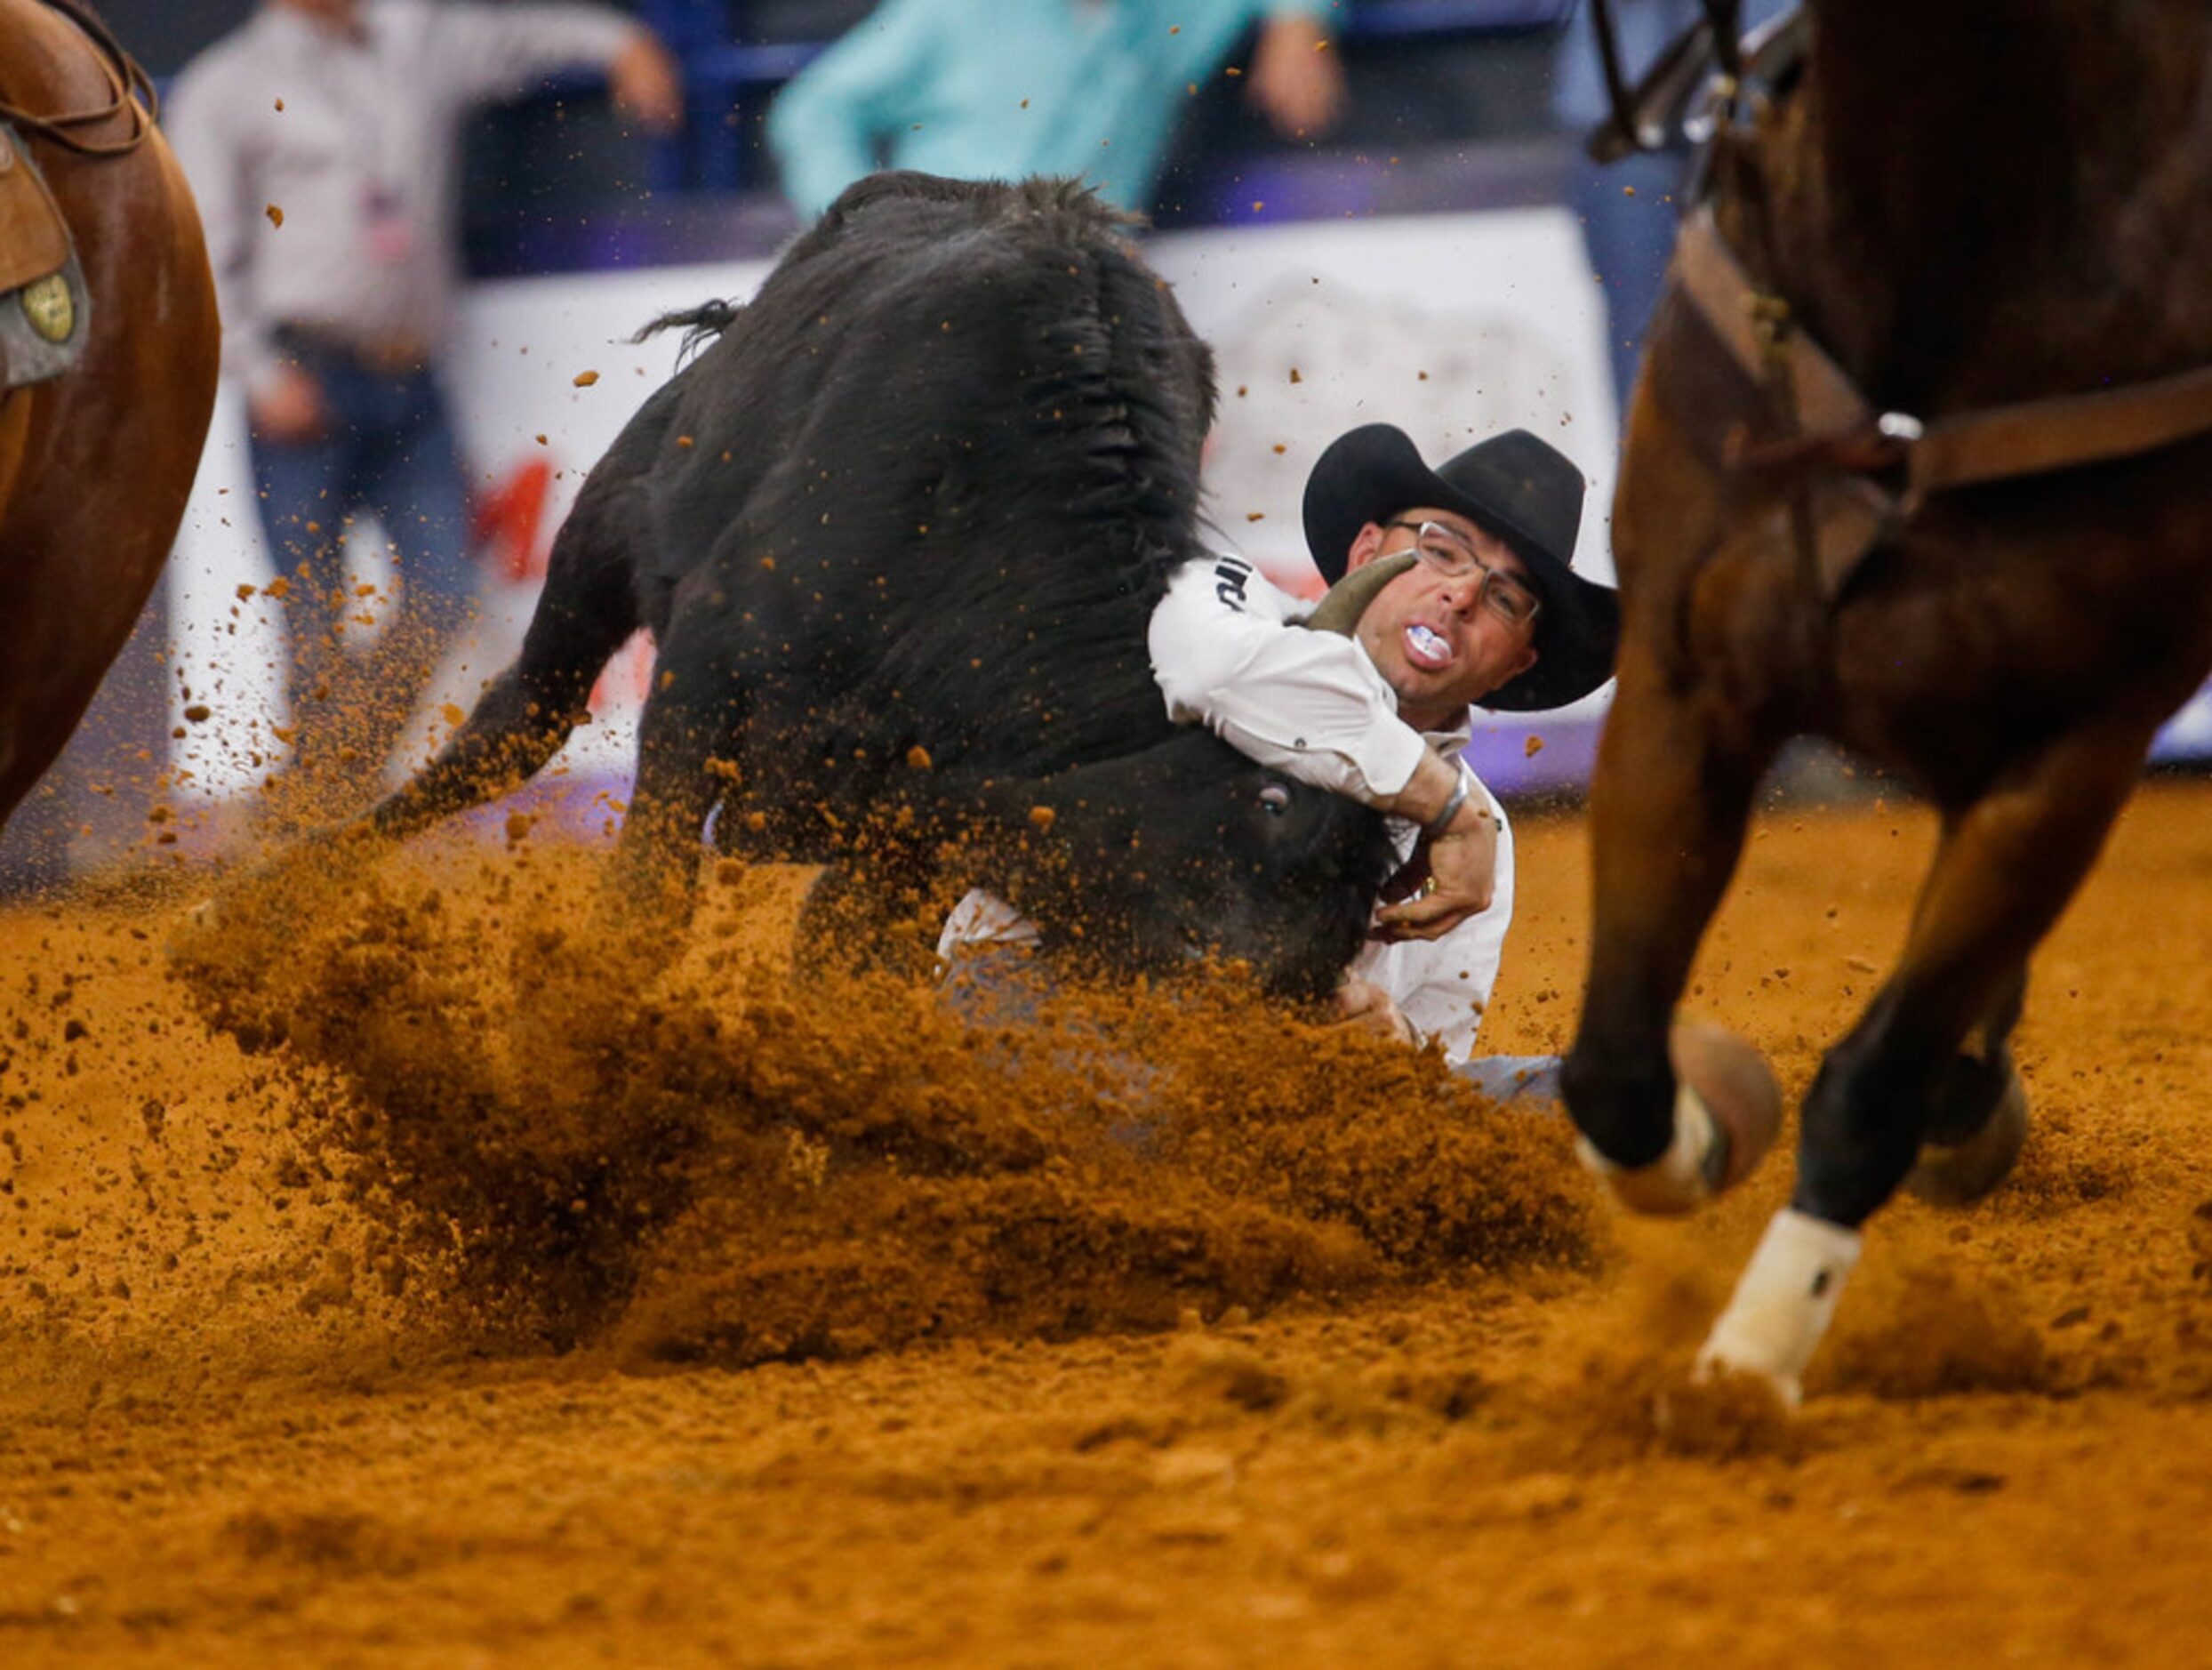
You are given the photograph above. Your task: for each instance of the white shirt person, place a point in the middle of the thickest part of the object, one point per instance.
(1478, 603)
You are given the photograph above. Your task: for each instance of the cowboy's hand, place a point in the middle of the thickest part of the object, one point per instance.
(646, 85)
(288, 408)
(1463, 875)
(1296, 80)
(1363, 1003)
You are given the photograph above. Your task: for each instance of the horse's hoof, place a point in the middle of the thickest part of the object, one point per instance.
(1959, 1174)
(1726, 1112)
(1715, 1367)
(1739, 1089)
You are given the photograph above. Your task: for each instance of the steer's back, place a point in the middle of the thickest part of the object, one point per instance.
(946, 459)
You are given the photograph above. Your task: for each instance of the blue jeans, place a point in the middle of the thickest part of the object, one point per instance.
(1009, 986)
(389, 450)
(1630, 239)
(1628, 222)
(1530, 1083)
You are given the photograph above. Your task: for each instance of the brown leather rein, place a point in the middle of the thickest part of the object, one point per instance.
(131, 92)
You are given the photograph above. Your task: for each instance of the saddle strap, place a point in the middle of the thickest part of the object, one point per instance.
(33, 237)
(130, 91)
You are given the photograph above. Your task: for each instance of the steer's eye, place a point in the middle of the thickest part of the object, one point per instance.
(1275, 799)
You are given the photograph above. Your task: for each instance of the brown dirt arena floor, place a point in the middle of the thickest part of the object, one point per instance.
(514, 1309)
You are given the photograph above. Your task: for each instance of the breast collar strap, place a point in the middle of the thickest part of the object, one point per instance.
(1839, 429)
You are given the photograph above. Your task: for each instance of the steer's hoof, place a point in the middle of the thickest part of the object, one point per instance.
(1959, 1174)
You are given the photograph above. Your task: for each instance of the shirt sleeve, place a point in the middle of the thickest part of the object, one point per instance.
(825, 126)
(1443, 986)
(490, 52)
(196, 121)
(1228, 653)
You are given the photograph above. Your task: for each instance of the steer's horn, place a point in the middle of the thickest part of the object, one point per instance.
(1347, 600)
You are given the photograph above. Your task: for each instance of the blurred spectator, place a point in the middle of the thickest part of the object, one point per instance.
(321, 139)
(1628, 209)
(1092, 88)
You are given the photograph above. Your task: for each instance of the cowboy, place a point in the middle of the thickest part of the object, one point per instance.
(1473, 600)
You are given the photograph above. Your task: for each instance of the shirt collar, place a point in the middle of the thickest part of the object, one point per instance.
(1452, 740)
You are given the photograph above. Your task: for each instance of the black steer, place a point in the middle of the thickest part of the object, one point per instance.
(897, 532)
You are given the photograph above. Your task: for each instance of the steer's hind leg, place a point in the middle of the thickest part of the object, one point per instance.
(692, 713)
(583, 615)
(2005, 867)
(587, 611)
(1668, 808)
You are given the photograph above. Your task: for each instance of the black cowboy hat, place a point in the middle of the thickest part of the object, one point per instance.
(1513, 485)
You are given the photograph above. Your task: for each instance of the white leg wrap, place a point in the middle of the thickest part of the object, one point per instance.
(1680, 1179)
(1783, 1302)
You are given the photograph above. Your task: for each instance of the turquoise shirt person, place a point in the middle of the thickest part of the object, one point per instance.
(1088, 88)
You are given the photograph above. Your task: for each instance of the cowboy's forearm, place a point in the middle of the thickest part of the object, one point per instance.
(1437, 782)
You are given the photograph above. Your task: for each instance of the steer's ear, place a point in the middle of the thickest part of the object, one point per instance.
(1339, 612)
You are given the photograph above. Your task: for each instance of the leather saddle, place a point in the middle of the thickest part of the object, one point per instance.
(46, 310)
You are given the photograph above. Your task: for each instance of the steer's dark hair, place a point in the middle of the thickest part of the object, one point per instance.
(899, 528)
(1003, 408)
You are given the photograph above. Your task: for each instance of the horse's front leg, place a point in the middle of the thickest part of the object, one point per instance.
(1676, 774)
(2005, 869)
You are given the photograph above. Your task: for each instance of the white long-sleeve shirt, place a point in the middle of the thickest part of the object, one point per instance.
(355, 142)
(1228, 653)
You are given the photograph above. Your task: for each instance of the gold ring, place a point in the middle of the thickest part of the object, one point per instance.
(1428, 886)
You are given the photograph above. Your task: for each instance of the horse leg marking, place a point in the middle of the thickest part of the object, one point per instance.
(1784, 1302)
(1683, 1178)
(2005, 868)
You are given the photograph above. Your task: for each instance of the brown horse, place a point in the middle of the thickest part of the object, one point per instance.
(97, 459)
(1972, 541)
